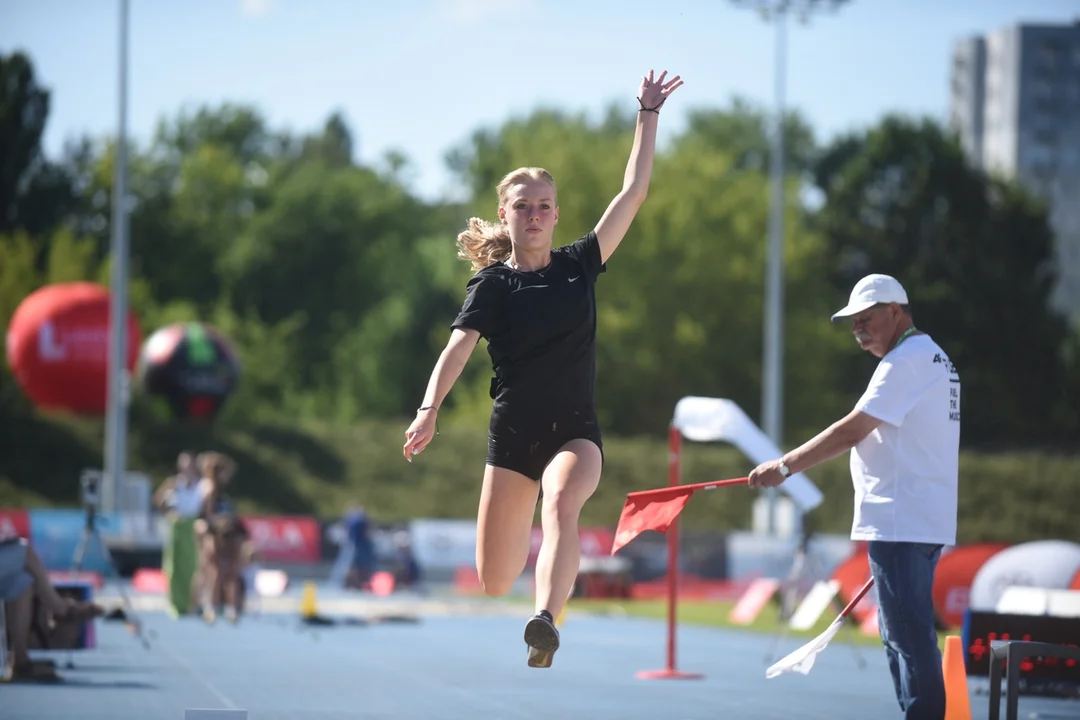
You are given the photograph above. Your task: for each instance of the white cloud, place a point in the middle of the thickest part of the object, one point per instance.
(256, 8)
(476, 9)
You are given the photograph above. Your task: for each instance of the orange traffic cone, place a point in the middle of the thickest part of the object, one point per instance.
(957, 701)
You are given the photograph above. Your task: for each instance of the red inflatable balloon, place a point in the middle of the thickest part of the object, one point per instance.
(58, 347)
(852, 573)
(952, 580)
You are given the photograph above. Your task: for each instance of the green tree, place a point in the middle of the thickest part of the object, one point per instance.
(334, 146)
(975, 255)
(744, 132)
(34, 194)
(240, 129)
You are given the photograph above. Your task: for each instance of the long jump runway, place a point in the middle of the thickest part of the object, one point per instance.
(455, 666)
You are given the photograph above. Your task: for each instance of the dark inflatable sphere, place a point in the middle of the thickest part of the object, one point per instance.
(192, 366)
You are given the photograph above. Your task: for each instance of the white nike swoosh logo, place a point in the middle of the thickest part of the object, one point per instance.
(574, 278)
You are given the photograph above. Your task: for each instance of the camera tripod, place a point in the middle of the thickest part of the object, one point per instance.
(90, 533)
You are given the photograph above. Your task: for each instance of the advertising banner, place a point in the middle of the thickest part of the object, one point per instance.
(285, 538)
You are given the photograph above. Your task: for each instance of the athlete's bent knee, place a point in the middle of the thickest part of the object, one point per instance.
(494, 584)
(561, 508)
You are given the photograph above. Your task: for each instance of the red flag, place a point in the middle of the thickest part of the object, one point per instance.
(657, 509)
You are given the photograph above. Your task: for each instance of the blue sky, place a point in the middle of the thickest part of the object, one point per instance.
(419, 76)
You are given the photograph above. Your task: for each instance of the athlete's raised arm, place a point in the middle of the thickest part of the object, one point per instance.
(621, 212)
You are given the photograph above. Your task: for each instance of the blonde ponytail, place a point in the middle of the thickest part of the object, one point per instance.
(483, 243)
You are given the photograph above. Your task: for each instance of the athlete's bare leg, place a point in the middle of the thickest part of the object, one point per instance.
(503, 528)
(569, 480)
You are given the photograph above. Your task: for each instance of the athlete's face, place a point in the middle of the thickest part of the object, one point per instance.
(530, 213)
(876, 328)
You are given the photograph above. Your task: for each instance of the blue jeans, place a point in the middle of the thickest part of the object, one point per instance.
(904, 577)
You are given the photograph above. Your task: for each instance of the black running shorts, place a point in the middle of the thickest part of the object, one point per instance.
(527, 448)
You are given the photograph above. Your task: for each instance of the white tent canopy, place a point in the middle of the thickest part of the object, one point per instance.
(702, 419)
(1043, 563)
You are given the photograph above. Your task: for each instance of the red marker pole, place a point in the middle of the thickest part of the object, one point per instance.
(670, 672)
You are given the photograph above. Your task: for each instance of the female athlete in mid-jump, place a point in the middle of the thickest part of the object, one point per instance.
(536, 307)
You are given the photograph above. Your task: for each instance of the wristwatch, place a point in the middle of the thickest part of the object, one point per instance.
(784, 469)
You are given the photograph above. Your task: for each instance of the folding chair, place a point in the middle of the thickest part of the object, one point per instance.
(1014, 652)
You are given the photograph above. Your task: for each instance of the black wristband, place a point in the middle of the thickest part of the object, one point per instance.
(655, 108)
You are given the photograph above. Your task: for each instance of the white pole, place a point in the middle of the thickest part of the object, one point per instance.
(773, 382)
(116, 422)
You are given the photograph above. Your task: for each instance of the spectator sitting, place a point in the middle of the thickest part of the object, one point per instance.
(23, 578)
(407, 569)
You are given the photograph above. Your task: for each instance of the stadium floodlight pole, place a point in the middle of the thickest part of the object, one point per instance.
(772, 389)
(118, 386)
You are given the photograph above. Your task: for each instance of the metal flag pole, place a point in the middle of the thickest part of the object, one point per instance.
(772, 389)
(772, 393)
(116, 422)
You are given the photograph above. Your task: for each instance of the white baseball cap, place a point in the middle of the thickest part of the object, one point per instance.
(870, 291)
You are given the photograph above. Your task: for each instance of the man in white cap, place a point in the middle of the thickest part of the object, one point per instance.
(904, 438)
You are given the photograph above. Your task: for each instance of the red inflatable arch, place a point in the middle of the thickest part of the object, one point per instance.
(852, 573)
(955, 573)
(58, 347)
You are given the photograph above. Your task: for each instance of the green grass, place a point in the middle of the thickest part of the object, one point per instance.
(717, 614)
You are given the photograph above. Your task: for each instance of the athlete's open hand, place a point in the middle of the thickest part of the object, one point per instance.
(654, 93)
(420, 432)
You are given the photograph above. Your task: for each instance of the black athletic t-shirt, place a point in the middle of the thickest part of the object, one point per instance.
(541, 331)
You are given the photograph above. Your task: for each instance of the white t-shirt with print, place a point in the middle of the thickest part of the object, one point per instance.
(905, 471)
